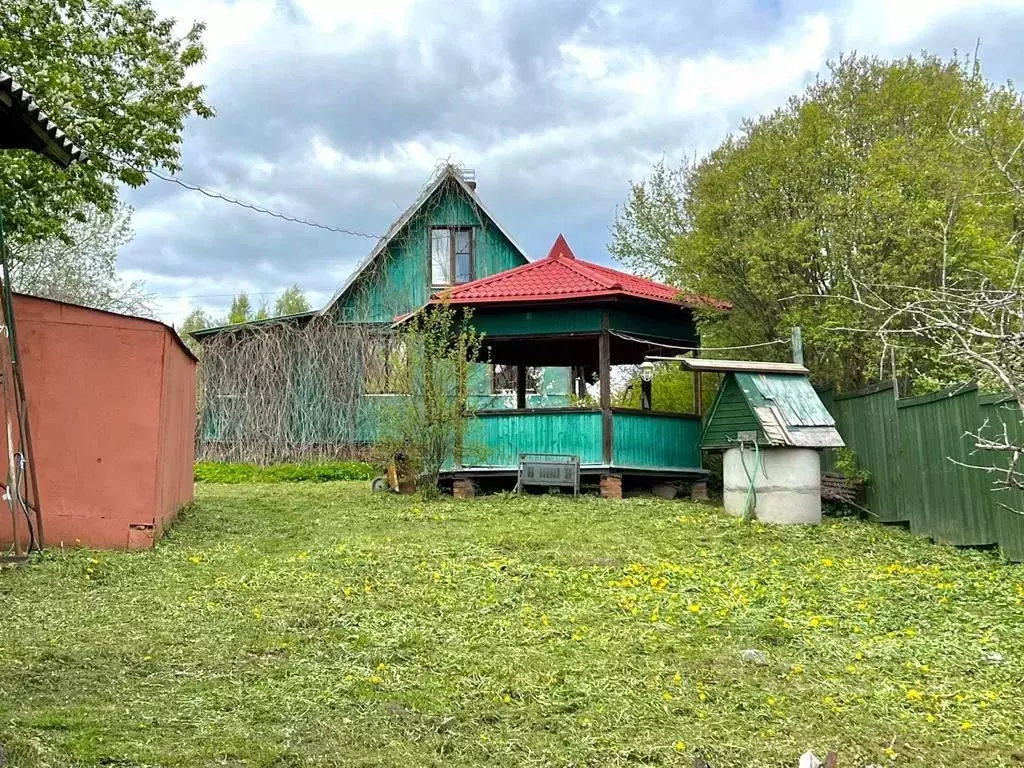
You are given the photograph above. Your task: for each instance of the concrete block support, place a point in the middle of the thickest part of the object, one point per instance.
(463, 488)
(611, 486)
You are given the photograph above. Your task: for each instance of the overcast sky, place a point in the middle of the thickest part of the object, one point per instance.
(338, 111)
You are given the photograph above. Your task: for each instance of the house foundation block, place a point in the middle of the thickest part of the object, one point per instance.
(611, 486)
(463, 488)
(699, 491)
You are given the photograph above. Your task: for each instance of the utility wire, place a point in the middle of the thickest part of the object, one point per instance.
(214, 195)
(627, 337)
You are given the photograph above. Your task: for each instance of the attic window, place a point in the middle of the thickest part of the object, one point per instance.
(451, 255)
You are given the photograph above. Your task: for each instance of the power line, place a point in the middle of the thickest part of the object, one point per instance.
(214, 195)
(699, 349)
(227, 295)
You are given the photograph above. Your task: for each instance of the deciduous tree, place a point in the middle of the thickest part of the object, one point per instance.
(861, 177)
(81, 267)
(114, 74)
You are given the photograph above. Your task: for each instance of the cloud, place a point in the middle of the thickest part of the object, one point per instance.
(338, 113)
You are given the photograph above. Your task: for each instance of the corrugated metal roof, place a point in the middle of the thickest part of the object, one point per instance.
(297, 317)
(562, 276)
(789, 410)
(36, 130)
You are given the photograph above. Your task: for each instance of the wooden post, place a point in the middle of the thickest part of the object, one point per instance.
(698, 394)
(521, 387)
(580, 381)
(604, 354)
(797, 342)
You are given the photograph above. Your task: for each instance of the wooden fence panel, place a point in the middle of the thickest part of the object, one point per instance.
(1008, 506)
(868, 424)
(946, 500)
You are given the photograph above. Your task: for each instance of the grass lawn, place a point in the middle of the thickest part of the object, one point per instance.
(317, 625)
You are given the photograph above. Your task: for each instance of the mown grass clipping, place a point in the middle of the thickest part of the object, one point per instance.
(320, 625)
(317, 472)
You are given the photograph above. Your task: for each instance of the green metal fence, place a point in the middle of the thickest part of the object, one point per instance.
(924, 468)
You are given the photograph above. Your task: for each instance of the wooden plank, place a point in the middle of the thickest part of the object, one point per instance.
(604, 355)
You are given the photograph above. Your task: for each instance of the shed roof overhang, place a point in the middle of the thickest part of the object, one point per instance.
(23, 125)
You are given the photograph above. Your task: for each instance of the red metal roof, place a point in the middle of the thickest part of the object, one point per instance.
(561, 276)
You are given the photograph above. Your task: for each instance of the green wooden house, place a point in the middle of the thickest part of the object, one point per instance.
(552, 328)
(446, 238)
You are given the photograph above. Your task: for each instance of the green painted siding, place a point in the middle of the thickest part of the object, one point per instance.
(646, 440)
(675, 323)
(538, 322)
(729, 415)
(399, 280)
(497, 440)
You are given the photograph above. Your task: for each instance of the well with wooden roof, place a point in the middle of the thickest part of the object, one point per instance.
(563, 311)
(771, 426)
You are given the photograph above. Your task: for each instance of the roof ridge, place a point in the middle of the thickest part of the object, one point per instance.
(582, 268)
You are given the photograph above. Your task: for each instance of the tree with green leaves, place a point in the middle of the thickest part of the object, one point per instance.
(82, 268)
(860, 180)
(114, 74)
(426, 427)
(240, 311)
(292, 302)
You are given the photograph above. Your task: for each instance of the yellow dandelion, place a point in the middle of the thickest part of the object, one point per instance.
(827, 562)
(966, 725)
(930, 718)
(851, 668)
(677, 678)
(913, 695)
(376, 680)
(693, 608)
(680, 746)
(797, 669)
(667, 696)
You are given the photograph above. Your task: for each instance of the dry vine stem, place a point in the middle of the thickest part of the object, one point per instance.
(293, 391)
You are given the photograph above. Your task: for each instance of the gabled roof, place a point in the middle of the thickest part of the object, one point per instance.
(561, 276)
(786, 408)
(448, 174)
(23, 125)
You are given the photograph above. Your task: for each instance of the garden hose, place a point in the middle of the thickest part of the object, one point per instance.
(750, 499)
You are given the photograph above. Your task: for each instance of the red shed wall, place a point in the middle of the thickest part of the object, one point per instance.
(176, 450)
(96, 389)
